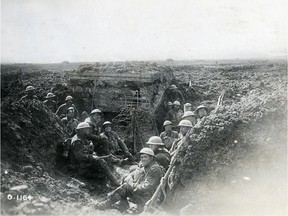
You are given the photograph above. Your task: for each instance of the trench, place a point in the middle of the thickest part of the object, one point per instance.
(235, 159)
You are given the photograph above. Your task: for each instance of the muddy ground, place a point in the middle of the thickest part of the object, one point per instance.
(235, 165)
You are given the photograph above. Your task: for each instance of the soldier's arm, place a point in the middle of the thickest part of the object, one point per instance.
(152, 180)
(80, 153)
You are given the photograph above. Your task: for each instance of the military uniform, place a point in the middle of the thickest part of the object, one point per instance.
(70, 125)
(140, 186)
(116, 144)
(82, 157)
(96, 130)
(163, 157)
(174, 116)
(51, 104)
(101, 144)
(168, 138)
(176, 143)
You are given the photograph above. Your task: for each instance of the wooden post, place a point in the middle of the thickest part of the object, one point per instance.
(134, 134)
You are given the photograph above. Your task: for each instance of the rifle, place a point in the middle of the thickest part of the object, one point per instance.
(150, 204)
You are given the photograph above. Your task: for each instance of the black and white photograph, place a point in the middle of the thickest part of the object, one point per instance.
(144, 107)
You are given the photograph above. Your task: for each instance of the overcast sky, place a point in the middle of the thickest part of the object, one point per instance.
(105, 30)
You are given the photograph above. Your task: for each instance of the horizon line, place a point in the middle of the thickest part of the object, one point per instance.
(166, 60)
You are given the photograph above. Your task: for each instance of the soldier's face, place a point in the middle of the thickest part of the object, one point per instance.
(31, 92)
(84, 115)
(176, 107)
(153, 147)
(202, 112)
(70, 113)
(146, 159)
(69, 102)
(108, 129)
(188, 108)
(86, 131)
(184, 130)
(168, 127)
(96, 117)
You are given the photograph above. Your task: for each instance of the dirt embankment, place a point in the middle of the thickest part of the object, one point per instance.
(234, 146)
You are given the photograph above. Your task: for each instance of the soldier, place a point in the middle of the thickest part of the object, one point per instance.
(100, 141)
(82, 153)
(189, 115)
(30, 94)
(185, 127)
(168, 136)
(70, 122)
(162, 155)
(116, 146)
(169, 106)
(187, 107)
(173, 94)
(201, 111)
(139, 187)
(94, 120)
(175, 114)
(50, 102)
(62, 110)
(84, 115)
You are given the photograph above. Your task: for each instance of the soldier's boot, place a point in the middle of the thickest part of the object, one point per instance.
(110, 176)
(111, 199)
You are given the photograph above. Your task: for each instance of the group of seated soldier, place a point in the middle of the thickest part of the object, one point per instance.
(175, 113)
(94, 145)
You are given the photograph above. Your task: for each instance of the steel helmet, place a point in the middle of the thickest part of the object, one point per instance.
(106, 123)
(188, 113)
(147, 151)
(83, 125)
(29, 88)
(176, 103)
(185, 123)
(187, 105)
(70, 108)
(68, 98)
(155, 140)
(167, 123)
(173, 87)
(95, 111)
(169, 103)
(200, 107)
(50, 95)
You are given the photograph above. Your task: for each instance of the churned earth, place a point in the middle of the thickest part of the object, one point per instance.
(235, 163)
